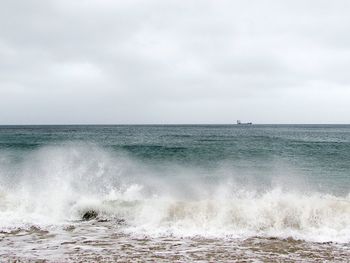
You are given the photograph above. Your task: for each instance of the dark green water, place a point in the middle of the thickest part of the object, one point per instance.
(317, 156)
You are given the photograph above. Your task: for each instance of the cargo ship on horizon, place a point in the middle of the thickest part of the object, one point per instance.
(243, 123)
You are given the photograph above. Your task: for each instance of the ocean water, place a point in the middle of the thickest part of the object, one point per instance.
(175, 193)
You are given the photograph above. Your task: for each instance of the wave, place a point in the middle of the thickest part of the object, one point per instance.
(55, 185)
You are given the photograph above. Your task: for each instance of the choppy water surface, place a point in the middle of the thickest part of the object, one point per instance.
(179, 193)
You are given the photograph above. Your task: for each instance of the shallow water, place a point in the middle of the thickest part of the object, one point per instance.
(175, 193)
(103, 241)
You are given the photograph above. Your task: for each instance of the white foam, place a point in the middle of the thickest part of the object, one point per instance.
(56, 184)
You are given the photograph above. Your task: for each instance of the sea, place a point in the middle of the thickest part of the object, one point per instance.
(175, 193)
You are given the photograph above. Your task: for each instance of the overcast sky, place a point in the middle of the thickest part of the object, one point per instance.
(131, 62)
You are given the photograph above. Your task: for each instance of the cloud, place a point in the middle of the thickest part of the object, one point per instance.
(103, 61)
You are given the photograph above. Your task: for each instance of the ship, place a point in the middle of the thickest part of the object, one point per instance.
(243, 123)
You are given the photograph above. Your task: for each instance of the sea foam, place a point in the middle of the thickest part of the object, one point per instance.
(55, 185)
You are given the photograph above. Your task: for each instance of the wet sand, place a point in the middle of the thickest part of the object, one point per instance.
(102, 242)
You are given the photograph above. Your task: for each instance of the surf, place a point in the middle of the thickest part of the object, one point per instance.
(54, 186)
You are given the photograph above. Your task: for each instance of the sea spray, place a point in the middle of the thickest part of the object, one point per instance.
(54, 185)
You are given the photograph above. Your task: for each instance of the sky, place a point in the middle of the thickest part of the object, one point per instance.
(174, 62)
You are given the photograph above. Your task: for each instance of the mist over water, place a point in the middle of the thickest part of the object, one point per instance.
(179, 181)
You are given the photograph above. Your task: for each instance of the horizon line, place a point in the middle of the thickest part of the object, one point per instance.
(164, 124)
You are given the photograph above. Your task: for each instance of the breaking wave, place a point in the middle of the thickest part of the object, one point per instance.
(55, 185)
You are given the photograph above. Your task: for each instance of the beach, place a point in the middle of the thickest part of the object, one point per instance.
(180, 193)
